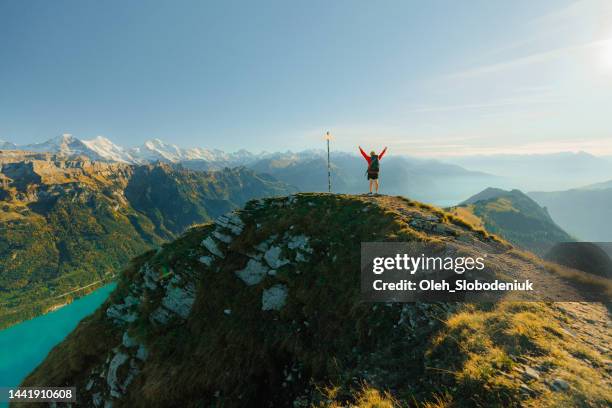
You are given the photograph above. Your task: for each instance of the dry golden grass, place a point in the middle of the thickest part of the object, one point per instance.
(465, 214)
(492, 342)
(366, 397)
(583, 279)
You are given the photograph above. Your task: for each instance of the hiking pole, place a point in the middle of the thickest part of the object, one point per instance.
(328, 137)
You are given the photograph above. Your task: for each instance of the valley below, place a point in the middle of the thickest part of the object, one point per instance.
(68, 224)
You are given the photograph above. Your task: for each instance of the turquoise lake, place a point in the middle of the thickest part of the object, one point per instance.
(24, 346)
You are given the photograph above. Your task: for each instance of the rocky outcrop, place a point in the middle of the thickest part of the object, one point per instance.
(274, 298)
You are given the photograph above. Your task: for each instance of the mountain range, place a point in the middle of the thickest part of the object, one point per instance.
(101, 148)
(70, 223)
(427, 180)
(584, 212)
(541, 172)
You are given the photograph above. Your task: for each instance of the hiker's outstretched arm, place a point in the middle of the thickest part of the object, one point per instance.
(365, 156)
(382, 153)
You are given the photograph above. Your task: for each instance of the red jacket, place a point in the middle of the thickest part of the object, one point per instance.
(368, 159)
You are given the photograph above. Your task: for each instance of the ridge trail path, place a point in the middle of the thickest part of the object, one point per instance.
(588, 322)
(509, 261)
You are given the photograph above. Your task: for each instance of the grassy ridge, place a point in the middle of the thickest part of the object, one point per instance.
(325, 347)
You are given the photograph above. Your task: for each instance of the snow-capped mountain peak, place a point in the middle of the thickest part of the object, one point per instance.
(108, 150)
(66, 145)
(101, 148)
(155, 149)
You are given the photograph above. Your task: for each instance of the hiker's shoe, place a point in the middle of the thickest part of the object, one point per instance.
(370, 193)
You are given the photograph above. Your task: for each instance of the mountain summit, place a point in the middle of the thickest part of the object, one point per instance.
(106, 149)
(262, 308)
(65, 145)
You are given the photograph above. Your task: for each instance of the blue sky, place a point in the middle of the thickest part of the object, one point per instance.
(425, 78)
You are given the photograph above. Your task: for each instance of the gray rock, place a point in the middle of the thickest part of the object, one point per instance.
(253, 273)
(127, 341)
(150, 277)
(132, 373)
(526, 390)
(420, 224)
(274, 298)
(111, 377)
(258, 256)
(222, 237)
(232, 222)
(97, 399)
(300, 242)
(120, 313)
(179, 300)
(211, 246)
(206, 260)
(160, 315)
(559, 385)
(274, 259)
(262, 246)
(142, 353)
(530, 374)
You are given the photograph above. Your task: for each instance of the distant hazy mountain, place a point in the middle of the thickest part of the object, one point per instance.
(598, 186)
(542, 172)
(516, 217)
(4, 145)
(584, 212)
(70, 223)
(427, 180)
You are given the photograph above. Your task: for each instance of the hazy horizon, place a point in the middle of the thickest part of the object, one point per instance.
(321, 148)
